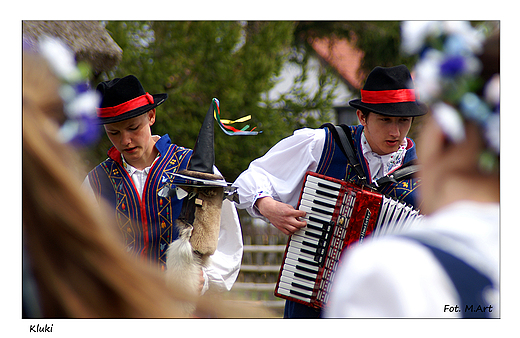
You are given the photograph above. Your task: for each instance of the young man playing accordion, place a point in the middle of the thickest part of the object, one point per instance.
(449, 267)
(271, 186)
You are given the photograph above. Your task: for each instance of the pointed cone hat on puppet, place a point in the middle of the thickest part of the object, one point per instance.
(201, 166)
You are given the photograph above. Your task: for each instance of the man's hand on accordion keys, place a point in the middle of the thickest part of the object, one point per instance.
(283, 216)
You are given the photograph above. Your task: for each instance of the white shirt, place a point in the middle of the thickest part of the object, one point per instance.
(138, 176)
(225, 262)
(280, 172)
(396, 277)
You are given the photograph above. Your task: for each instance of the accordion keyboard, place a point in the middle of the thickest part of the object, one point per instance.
(337, 215)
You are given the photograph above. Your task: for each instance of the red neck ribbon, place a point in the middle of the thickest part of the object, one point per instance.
(388, 96)
(125, 106)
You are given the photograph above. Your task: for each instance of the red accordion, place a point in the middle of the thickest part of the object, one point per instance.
(338, 215)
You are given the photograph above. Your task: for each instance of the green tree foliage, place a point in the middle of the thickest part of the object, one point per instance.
(236, 62)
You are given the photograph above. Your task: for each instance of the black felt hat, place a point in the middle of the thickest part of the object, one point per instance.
(125, 98)
(389, 91)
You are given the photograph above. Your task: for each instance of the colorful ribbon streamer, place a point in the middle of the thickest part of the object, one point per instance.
(224, 124)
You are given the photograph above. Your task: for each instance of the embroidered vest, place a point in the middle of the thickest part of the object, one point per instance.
(335, 164)
(147, 223)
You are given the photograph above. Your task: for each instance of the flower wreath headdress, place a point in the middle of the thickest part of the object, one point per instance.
(79, 99)
(447, 77)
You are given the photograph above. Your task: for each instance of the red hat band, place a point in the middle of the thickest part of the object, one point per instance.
(387, 96)
(124, 107)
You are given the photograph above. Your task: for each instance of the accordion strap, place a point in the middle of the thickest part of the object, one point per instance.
(346, 144)
(406, 171)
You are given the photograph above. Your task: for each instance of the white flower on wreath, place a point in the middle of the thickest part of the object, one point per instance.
(60, 58)
(427, 76)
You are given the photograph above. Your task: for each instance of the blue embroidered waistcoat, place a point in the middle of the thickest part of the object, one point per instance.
(147, 222)
(335, 164)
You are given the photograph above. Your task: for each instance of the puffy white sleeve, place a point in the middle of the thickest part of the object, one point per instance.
(223, 270)
(225, 262)
(280, 172)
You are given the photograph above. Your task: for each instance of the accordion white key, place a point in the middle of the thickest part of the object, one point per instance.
(338, 215)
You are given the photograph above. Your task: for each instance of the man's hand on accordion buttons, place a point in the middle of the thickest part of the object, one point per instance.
(283, 216)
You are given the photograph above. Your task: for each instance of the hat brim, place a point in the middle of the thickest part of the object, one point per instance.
(197, 179)
(402, 109)
(158, 99)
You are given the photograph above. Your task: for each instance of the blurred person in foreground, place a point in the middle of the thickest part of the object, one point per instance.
(449, 267)
(74, 265)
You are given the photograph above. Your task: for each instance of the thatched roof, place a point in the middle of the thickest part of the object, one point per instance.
(89, 40)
